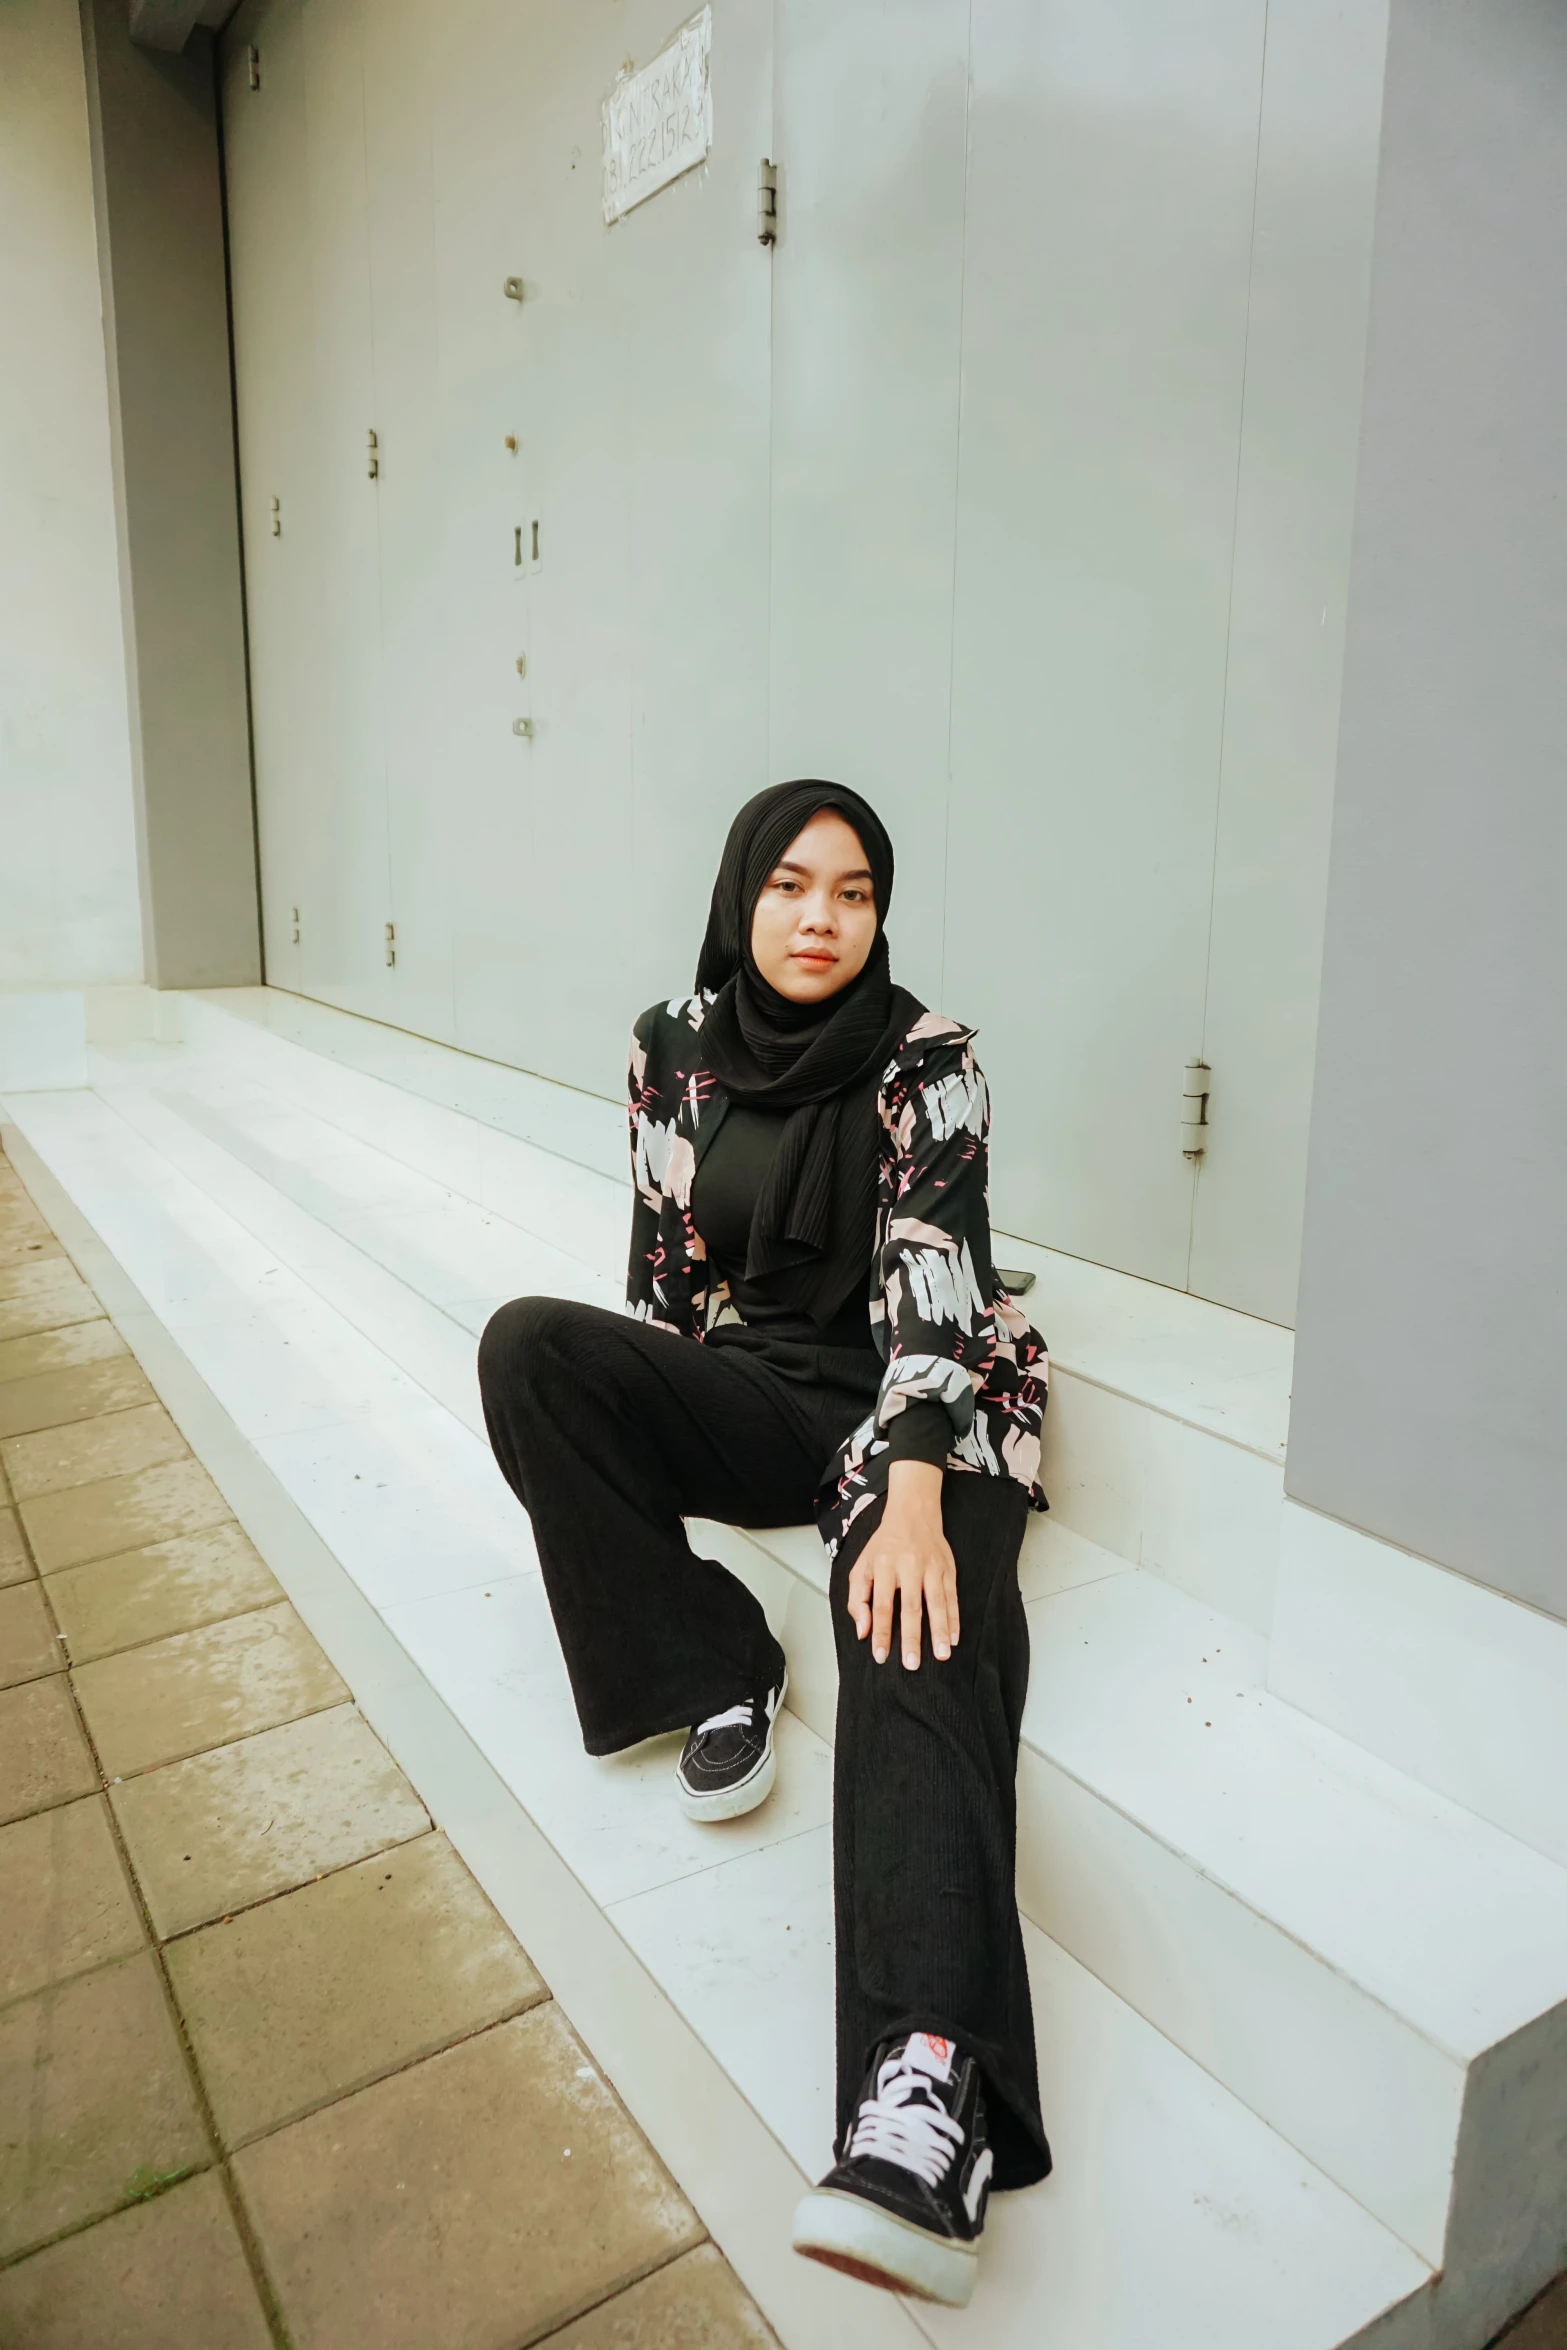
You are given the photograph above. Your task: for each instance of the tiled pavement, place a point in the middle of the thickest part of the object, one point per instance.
(272, 2071)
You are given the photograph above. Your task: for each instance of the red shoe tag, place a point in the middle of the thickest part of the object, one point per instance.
(925, 2053)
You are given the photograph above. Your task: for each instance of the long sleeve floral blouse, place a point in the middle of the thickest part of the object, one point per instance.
(946, 1329)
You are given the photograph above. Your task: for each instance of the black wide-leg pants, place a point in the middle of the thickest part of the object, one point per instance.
(611, 1433)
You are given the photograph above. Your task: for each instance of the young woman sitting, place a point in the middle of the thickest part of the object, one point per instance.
(817, 1332)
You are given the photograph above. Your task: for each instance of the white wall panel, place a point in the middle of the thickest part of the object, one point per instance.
(692, 296)
(347, 890)
(405, 328)
(634, 375)
(1113, 156)
(70, 911)
(497, 214)
(867, 310)
(274, 354)
(1305, 356)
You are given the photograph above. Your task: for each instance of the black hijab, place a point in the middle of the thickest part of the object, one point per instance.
(814, 1225)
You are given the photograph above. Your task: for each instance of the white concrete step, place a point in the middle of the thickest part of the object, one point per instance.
(1368, 1967)
(1165, 1437)
(1176, 2215)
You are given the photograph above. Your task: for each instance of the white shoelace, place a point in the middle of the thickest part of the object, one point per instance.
(734, 1719)
(921, 2138)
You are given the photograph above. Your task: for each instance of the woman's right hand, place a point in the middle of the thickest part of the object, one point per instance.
(908, 1560)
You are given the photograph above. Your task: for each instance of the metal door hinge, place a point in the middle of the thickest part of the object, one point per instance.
(294, 933)
(253, 66)
(375, 458)
(277, 518)
(391, 944)
(767, 203)
(1195, 1087)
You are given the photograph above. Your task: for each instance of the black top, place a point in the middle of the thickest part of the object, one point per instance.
(728, 1185)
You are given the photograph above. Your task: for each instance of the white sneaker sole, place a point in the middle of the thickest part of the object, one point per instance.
(732, 1803)
(846, 2232)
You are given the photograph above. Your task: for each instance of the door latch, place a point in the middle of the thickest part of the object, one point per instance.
(767, 203)
(375, 457)
(277, 518)
(294, 934)
(253, 66)
(391, 944)
(1194, 1109)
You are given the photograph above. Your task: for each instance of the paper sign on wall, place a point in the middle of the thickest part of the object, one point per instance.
(658, 120)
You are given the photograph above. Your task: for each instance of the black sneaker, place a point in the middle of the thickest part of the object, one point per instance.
(727, 1765)
(906, 2203)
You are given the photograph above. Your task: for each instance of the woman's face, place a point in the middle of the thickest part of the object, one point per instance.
(815, 921)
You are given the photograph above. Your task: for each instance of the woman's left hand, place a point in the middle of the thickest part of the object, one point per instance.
(907, 1559)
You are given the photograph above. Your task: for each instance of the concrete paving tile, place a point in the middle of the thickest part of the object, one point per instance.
(164, 1587)
(49, 1399)
(96, 2103)
(27, 1241)
(44, 1759)
(197, 1690)
(16, 1202)
(65, 1901)
(121, 1513)
(316, 1994)
(442, 2205)
(23, 1232)
(15, 1565)
(43, 1297)
(18, 1282)
(28, 1647)
(694, 2303)
(226, 1829)
(169, 2274)
(60, 1350)
(115, 1446)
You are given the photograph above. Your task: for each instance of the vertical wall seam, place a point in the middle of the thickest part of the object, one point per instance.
(770, 254)
(380, 549)
(1229, 623)
(239, 505)
(957, 484)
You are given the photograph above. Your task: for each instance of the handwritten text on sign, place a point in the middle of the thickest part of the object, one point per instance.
(658, 122)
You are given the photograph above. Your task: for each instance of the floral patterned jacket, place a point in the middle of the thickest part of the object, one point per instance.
(946, 1329)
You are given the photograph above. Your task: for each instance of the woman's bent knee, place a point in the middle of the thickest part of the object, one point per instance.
(519, 1337)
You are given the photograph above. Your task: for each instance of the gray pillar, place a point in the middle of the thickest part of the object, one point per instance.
(1431, 1380)
(158, 194)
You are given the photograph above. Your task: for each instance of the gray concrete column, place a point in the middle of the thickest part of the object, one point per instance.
(1431, 1378)
(158, 196)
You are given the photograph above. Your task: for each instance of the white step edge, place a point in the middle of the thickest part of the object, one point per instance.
(1175, 2214)
(1451, 1681)
(1165, 1437)
(1396, 2155)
